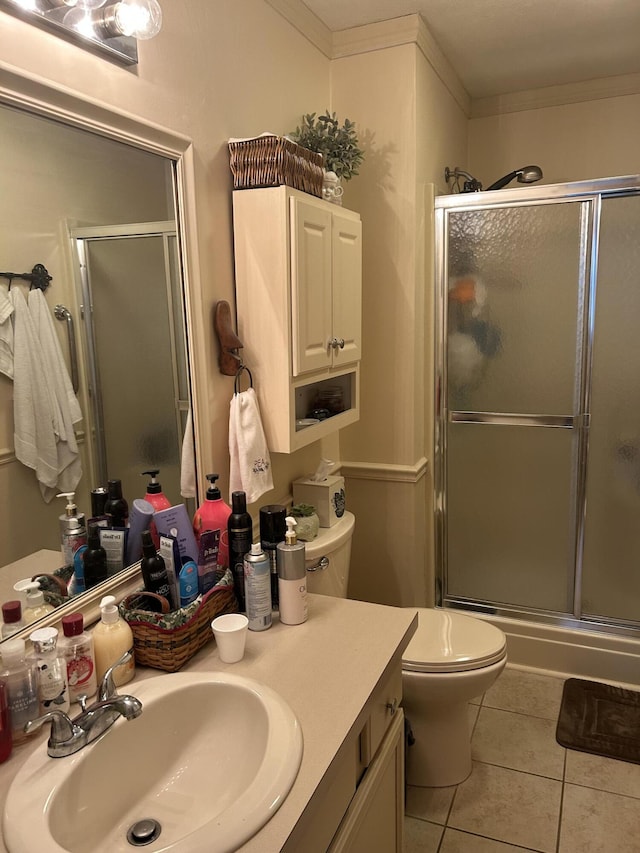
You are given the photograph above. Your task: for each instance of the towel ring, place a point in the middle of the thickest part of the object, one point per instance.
(242, 368)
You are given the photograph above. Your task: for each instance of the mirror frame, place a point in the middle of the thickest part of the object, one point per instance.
(42, 98)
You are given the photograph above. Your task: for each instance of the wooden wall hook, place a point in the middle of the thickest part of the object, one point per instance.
(230, 358)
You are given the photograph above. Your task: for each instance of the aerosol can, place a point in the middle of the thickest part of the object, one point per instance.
(257, 588)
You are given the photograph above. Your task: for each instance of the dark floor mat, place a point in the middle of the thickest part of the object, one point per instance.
(601, 719)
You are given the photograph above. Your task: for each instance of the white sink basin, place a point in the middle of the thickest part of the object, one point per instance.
(211, 758)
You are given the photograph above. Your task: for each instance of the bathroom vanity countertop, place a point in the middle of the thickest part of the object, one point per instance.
(326, 669)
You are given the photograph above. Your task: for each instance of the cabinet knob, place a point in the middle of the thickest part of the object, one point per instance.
(392, 707)
(337, 343)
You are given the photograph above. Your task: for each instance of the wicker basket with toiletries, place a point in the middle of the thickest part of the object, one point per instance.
(168, 640)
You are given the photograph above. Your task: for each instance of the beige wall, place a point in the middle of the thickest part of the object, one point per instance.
(409, 122)
(574, 142)
(213, 72)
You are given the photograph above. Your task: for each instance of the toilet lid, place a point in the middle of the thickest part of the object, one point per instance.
(445, 641)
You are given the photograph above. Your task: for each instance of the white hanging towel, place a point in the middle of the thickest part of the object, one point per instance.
(188, 462)
(67, 408)
(34, 437)
(250, 461)
(6, 334)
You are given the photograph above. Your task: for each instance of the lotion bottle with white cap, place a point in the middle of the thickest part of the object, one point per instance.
(292, 577)
(112, 637)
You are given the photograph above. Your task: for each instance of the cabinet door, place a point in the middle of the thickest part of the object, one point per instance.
(374, 822)
(310, 286)
(347, 289)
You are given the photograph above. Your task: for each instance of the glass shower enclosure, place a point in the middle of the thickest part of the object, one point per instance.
(537, 456)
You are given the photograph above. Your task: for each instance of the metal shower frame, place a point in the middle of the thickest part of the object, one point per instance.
(591, 192)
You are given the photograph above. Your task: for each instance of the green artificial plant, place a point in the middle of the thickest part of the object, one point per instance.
(337, 144)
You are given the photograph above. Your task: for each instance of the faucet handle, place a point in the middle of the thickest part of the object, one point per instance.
(81, 699)
(62, 728)
(107, 689)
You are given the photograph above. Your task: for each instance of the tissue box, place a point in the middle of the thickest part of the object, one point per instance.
(327, 497)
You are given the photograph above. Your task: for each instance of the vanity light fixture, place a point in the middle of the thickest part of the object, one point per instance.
(109, 26)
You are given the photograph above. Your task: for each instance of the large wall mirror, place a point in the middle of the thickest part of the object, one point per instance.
(98, 200)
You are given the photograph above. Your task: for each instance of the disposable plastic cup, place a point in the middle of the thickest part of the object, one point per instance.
(230, 631)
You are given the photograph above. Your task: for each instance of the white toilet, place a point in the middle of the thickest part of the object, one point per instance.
(450, 659)
(328, 556)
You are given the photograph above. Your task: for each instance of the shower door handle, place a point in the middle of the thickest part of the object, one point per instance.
(512, 419)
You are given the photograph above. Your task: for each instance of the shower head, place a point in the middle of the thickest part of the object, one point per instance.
(525, 175)
(471, 184)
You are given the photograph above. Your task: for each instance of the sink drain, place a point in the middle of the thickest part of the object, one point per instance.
(143, 832)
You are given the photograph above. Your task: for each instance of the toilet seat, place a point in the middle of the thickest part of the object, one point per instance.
(446, 641)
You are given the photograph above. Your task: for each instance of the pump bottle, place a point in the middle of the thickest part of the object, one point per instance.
(158, 500)
(73, 530)
(36, 606)
(213, 514)
(292, 577)
(112, 637)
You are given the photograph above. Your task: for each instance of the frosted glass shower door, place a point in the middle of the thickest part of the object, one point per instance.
(140, 376)
(515, 315)
(611, 561)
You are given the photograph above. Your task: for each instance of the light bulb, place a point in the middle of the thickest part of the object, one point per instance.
(80, 20)
(141, 19)
(27, 5)
(88, 4)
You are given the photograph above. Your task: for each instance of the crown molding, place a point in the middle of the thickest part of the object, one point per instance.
(303, 19)
(557, 96)
(407, 29)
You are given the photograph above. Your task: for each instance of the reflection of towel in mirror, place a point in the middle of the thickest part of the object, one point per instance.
(250, 461)
(43, 433)
(188, 462)
(6, 334)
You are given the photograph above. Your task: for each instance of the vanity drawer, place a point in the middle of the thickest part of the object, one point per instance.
(383, 710)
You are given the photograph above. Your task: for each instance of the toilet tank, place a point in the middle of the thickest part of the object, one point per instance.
(332, 544)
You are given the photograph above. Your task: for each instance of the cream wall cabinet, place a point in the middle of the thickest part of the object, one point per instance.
(298, 266)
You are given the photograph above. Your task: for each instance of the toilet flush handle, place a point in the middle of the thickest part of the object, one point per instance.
(320, 566)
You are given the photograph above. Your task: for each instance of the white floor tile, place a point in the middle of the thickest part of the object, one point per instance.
(519, 742)
(599, 822)
(526, 693)
(510, 806)
(421, 836)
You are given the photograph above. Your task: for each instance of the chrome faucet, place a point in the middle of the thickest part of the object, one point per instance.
(69, 736)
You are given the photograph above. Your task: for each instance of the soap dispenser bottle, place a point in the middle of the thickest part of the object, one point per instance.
(112, 637)
(158, 500)
(73, 529)
(53, 688)
(36, 606)
(213, 514)
(292, 577)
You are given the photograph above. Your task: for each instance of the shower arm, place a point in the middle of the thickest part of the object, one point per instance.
(471, 184)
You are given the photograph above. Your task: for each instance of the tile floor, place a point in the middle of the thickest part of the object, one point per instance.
(527, 793)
